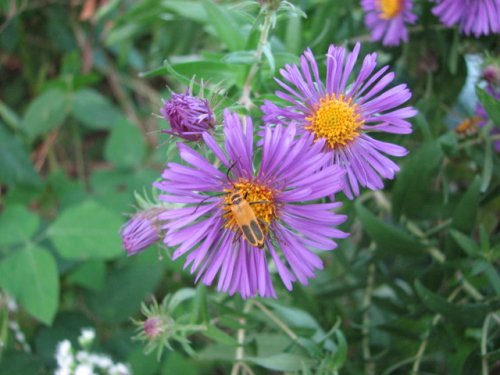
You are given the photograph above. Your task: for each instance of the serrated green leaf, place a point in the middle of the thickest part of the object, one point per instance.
(45, 113)
(490, 104)
(17, 224)
(94, 110)
(388, 238)
(87, 231)
(31, 276)
(15, 164)
(226, 27)
(126, 146)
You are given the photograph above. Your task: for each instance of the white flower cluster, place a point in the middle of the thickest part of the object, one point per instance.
(83, 362)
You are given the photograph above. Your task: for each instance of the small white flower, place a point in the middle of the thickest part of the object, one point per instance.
(63, 371)
(86, 337)
(64, 355)
(84, 369)
(101, 361)
(119, 369)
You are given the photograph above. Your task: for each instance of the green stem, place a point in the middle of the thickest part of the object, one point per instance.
(484, 342)
(245, 99)
(365, 332)
(280, 323)
(240, 350)
(423, 345)
(80, 161)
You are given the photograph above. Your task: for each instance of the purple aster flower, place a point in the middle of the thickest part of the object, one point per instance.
(387, 20)
(343, 111)
(141, 231)
(189, 116)
(292, 173)
(478, 17)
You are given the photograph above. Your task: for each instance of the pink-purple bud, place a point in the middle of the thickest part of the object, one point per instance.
(189, 116)
(140, 232)
(491, 74)
(153, 327)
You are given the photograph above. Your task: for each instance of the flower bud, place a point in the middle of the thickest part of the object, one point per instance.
(141, 231)
(189, 116)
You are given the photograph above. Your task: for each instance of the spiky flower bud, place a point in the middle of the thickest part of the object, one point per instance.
(189, 116)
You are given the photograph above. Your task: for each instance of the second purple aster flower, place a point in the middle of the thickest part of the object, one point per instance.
(343, 110)
(387, 20)
(293, 174)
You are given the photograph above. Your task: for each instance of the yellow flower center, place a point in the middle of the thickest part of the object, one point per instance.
(390, 8)
(468, 126)
(336, 120)
(260, 199)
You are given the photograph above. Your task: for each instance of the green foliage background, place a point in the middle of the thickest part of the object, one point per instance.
(415, 289)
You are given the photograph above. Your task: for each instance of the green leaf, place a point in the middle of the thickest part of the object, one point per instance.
(387, 237)
(412, 185)
(90, 275)
(490, 104)
(127, 284)
(94, 110)
(465, 242)
(31, 276)
(20, 363)
(490, 271)
(45, 113)
(87, 231)
(9, 116)
(17, 224)
(293, 316)
(280, 362)
(219, 336)
(487, 167)
(126, 146)
(192, 10)
(212, 71)
(464, 214)
(225, 25)
(15, 164)
(341, 353)
(468, 315)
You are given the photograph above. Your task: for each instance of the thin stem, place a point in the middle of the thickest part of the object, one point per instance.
(484, 342)
(240, 350)
(80, 162)
(367, 298)
(280, 323)
(423, 345)
(266, 27)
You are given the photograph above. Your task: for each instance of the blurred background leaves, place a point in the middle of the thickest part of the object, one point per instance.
(416, 287)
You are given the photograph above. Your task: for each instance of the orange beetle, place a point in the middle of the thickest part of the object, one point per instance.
(247, 221)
